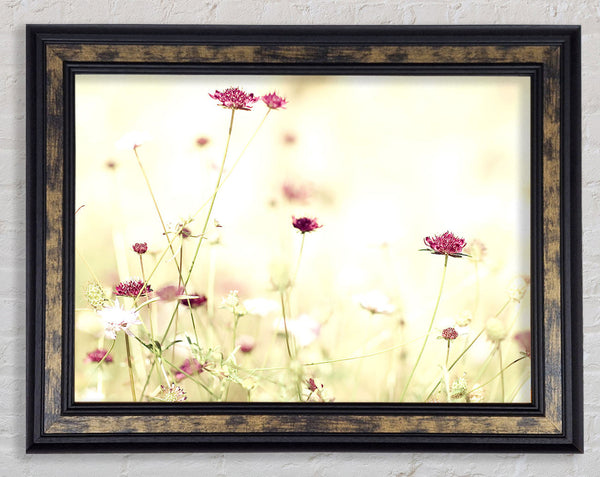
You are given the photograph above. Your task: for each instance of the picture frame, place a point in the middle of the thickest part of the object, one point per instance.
(548, 55)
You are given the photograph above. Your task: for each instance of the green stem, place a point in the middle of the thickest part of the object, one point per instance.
(498, 374)
(437, 303)
(205, 227)
(299, 257)
(447, 354)
(129, 365)
(287, 338)
(467, 349)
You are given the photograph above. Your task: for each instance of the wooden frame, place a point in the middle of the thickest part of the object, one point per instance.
(549, 55)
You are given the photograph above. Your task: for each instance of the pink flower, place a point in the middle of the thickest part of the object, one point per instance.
(140, 248)
(98, 355)
(445, 244)
(133, 288)
(305, 224)
(202, 141)
(449, 334)
(235, 98)
(189, 367)
(295, 193)
(246, 343)
(169, 292)
(199, 300)
(273, 101)
(524, 340)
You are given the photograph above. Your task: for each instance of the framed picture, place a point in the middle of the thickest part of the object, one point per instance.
(270, 238)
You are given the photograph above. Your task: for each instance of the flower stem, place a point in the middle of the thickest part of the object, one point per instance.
(498, 374)
(129, 365)
(205, 227)
(298, 261)
(287, 338)
(437, 304)
(447, 354)
(467, 349)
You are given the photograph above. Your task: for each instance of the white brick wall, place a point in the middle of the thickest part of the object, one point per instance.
(14, 14)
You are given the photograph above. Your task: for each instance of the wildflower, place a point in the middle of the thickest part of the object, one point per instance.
(447, 323)
(111, 164)
(449, 334)
(132, 140)
(246, 343)
(202, 141)
(273, 101)
(524, 340)
(189, 367)
(458, 389)
(375, 302)
(316, 392)
(169, 292)
(495, 330)
(98, 355)
(118, 319)
(232, 302)
(477, 250)
(261, 306)
(171, 394)
(304, 329)
(476, 395)
(294, 193)
(305, 224)
(194, 301)
(289, 138)
(235, 98)
(464, 319)
(518, 287)
(445, 244)
(95, 296)
(140, 248)
(134, 287)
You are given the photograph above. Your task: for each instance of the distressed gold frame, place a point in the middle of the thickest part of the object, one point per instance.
(550, 55)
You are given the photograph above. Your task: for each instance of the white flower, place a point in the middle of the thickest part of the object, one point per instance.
(375, 302)
(304, 329)
(118, 319)
(495, 329)
(261, 306)
(517, 288)
(232, 302)
(132, 140)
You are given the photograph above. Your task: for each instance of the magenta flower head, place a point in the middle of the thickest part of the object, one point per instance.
(235, 98)
(202, 141)
(133, 288)
(274, 101)
(189, 367)
(97, 356)
(449, 334)
(445, 244)
(305, 224)
(194, 302)
(140, 248)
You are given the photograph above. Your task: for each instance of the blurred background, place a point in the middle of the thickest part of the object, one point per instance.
(381, 162)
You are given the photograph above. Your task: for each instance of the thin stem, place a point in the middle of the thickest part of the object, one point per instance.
(437, 304)
(205, 227)
(337, 360)
(299, 257)
(447, 354)
(228, 175)
(519, 386)
(129, 365)
(467, 348)
(287, 338)
(498, 374)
